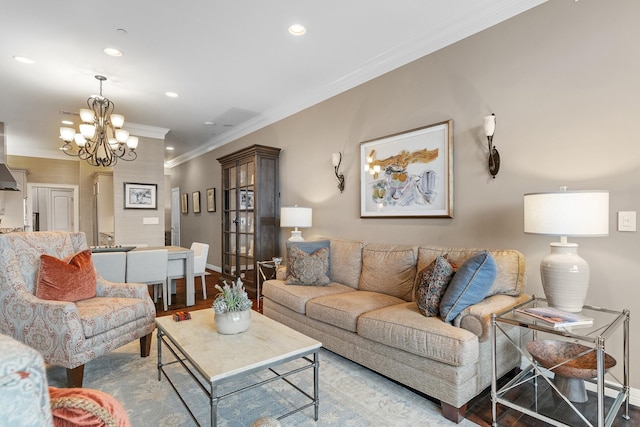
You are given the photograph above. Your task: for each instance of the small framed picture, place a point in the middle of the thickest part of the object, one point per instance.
(195, 197)
(211, 199)
(184, 203)
(140, 196)
(246, 199)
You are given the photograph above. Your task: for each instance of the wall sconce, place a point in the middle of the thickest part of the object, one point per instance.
(336, 159)
(494, 156)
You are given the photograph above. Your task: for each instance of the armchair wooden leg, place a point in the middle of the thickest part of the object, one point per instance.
(452, 413)
(74, 376)
(145, 345)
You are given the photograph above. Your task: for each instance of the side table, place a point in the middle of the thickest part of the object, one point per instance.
(267, 270)
(548, 403)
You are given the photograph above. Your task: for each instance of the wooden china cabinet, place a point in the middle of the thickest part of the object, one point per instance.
(250, 212)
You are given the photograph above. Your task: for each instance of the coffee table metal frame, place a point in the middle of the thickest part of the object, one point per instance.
(606, 322)
(211, 386)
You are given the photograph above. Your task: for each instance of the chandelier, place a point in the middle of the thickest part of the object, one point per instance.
(101, 140)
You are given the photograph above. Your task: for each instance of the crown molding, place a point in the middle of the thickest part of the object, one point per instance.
(470, 21)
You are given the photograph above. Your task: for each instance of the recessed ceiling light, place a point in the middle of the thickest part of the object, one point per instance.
(209, 123)
(171, 94)
(297, 29)
(67, 122)
(112, 51)
(23, 59)
(169, 148)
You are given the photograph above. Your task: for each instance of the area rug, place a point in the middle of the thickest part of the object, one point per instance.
(350, 395)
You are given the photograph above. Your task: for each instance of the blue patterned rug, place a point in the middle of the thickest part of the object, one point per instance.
(350, 395)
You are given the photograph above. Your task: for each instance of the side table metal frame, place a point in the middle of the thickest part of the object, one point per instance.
(262, 277)
(534, 371)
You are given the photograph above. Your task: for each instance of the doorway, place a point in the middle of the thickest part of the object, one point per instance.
(52, 207)
(175, 216)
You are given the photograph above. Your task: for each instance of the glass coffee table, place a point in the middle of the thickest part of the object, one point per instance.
(566, 353)
(213, 359)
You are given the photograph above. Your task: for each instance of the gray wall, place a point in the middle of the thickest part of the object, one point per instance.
(563, 81)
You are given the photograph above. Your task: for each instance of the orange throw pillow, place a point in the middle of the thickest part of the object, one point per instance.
(70, 279)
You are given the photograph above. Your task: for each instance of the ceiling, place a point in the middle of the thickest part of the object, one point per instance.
(232, 63)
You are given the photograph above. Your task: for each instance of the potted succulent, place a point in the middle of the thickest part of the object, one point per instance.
(232, 308)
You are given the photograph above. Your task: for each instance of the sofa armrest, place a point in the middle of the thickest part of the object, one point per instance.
(477, 318)
(105, 288)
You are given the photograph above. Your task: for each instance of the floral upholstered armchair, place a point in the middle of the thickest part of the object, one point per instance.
(67, 334)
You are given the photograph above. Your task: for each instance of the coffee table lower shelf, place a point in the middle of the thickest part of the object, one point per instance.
(211, 384)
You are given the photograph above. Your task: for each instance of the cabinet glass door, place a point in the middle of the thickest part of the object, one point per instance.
(239, 222)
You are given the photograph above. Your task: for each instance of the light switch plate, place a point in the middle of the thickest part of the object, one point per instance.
(627, 221)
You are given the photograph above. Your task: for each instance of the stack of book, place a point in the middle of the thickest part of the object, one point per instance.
(555, 317)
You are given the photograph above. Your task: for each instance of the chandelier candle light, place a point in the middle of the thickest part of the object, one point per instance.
(101, 140)
(565, 275)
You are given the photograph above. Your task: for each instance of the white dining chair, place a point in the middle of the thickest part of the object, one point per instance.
(150, 267)
(176, 267)
(200, 253)
(111, 266)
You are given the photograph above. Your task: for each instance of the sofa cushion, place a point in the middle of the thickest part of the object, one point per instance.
(308, 269)
(70, 279)
(342, 310)
(388, 269)
(295, 297)
(431, 283)
(510, 277)
(469, 285)
(100, 315)
(346, 262)
(402, 326)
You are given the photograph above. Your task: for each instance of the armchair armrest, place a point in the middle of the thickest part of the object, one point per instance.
(477, 318)
(51, 318)
(104, 288)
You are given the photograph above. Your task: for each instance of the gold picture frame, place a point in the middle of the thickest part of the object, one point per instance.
(195, 198)
(211, 199)
(184, 203)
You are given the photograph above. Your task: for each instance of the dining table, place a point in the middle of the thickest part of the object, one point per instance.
(186, 255)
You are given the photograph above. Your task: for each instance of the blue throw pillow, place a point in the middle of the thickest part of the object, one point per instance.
(469, 285)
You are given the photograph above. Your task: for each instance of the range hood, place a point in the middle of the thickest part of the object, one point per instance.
(7, 181)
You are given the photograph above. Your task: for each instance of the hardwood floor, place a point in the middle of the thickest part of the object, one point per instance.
(478, 410)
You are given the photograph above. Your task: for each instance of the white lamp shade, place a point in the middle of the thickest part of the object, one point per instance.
(88, 131)
(122, 135)
(117, 120)
(79, 139)
(132, 142)
(335, 159)
(67, 134)
(87, 116)
(567, 213)
(295, 216)
(489, 125)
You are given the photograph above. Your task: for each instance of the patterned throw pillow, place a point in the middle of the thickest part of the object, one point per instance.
(307, 269)
(469, 285)
(431, 283)
(70, 279)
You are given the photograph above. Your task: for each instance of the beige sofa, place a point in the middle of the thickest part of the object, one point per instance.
(367, 314)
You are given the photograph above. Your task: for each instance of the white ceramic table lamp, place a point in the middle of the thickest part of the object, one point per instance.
(565, 275)
(295, 216)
